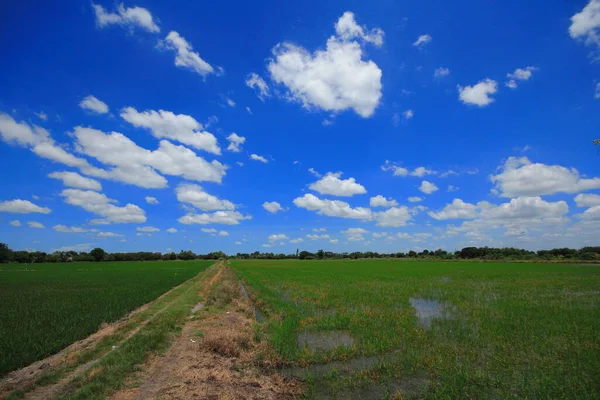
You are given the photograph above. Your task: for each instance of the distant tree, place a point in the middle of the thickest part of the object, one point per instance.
(412, 253)
(320, 254)
(5, 253)
(98, 254)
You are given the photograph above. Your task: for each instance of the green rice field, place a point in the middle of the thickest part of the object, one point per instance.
(439, 330)
(46, 307)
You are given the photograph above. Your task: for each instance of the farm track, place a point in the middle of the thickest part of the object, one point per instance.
(67, 365)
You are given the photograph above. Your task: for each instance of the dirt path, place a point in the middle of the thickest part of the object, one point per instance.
(215, 355)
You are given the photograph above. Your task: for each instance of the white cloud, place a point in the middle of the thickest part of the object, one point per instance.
(235, 142)
(521, 177)
(69, 229)
(334, 241)
(355, 234)
(94, 104)
(380, 201)
(332, 184)
(394, 217)
(401, 171)
(587, 200)
(15, 223)
(273, 207)
(415, 199)
(427, 187)
(441, 72)
(238, 243)
(147, 229)
(186, 57)
(109, 234)
(347, 29)
(314, 172)
(277, 237)
(408, 114)
(127, 17)
(520, 74)
(197, 197)
(458, 209)
(37, 225)
(223, 233)
(249, 110)
(586, 24)
(218, 217)
(22, 207)
(73, 179)
(478, 94)
(136, 165)
(377, 235)
(452, 188)
(76, 247)
(334, 79)
(42, 115)
(448, 173)
(229, 101)
(256, 157)
(317, 237)
(103, 206)
(591, 214)
(151, 200)
(422, 40)
(172, 230)
(167, 125)
(319, 230)
(332, 208)
(208, 230)
(254, 81)
(297, 240)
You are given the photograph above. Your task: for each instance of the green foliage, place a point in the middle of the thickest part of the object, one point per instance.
(98, 254)
(46, 307)
(5, 253)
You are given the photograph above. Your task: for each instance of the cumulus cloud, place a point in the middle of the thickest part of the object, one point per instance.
(380, 201)
(478, 94)
(317, 237)
(408, 114)
(256, 157)
(297, 240)
(218, 217)
(167, 125)
(37, 225)
(415, 199)
(587, 200)
(277, 237)
(15, 223)
(223, 233)
(394, 217)
(586, 24)
(151, 200)
(521, 177)
(254, 81)
(314, 172)
(209, 230)
(73, 179)
(520, 74)
(591, 214)
(355, 234)
(94, 105)
(347, 28)
(147, 229)
(185, 56)
(332, 184)
(458, 209)
(22, 207)
(273, 207)
(441, 72)
(197, 197)
(336, 78)
(129, 17)
(401, 171)
(99, 204)
(69, 229)
(137, 166)
(172, 230)
(427, 187)
(235, 142)
(422, 40)
(332, 208)
(109, 234)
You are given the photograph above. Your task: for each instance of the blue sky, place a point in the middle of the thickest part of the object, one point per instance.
(379, 126)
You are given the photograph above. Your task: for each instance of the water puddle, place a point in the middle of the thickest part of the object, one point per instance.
(324, 340)
(428, 310)
(257, 314)
(197, 307)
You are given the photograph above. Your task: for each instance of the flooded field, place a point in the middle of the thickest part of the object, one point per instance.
(379, 329)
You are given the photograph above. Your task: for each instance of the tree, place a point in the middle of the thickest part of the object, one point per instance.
(320, 254)
(5, 253)
(98, 254)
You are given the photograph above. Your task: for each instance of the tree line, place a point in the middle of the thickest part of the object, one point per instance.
(484, 253)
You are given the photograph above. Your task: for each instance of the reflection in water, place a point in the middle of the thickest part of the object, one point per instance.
(324, 340)
(427, 310)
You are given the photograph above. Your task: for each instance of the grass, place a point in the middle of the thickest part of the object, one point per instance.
(46, 307)
(514, 330)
